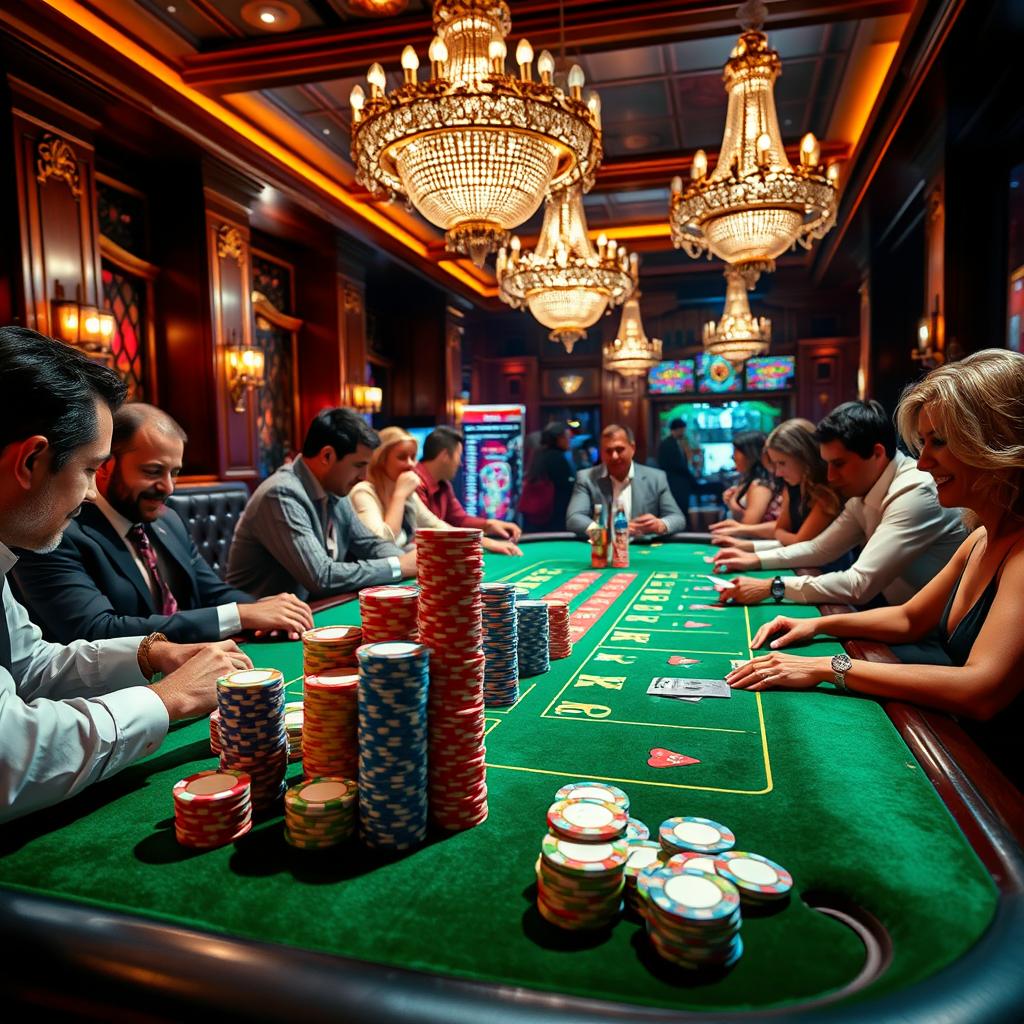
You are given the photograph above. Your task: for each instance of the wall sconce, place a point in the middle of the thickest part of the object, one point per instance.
(570, 383)
(930, 339)
(245, 366)
(366, 398)
(65, 320)
(75, 323)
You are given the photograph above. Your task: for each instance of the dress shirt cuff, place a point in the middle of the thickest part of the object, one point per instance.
(141, 720)
(765, 545)
(229, 621)
(396, 567)
(795, 588)
(117, 662)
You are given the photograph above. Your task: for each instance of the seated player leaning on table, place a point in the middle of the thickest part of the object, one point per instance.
(70, 716)
(299, 533)
(891, 509)
(809, 504)
(642, 491)
(126, 566)
(966, 420)
(442, 457)
(757, 496)
(387, 503)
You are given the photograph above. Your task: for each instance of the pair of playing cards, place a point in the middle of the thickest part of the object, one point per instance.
(690, 690)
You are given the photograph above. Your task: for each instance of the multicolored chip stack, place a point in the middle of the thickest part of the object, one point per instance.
(559, 638)
(596, 791)
(501, 644)
(388, 613)
(293, 715)
(212, 808)
(320, 812)
(636, 829)
(579, 885)
(696, 835)
(450, 570)
(329, 647)
(587, 821)
(252, 733)
(534, 657)
(759, 880)
(393, 682)
(330, 724)
(643, 853)
(215, 733)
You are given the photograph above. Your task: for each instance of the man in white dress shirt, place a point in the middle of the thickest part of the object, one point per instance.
(892, 513)
(72, 715)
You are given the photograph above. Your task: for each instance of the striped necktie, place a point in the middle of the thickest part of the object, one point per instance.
(138, 536)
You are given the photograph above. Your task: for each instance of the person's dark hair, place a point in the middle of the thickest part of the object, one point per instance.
(341, 429)
(49, 389)
(552, 432)
(441, 439)
(860, 426)
(615, 428)
(751, 443)
(130, 418)
(676, 424)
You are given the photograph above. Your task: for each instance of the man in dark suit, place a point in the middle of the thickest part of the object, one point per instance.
(127, 567)
(674, 455)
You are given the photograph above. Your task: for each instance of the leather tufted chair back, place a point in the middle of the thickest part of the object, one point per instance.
(210, 513)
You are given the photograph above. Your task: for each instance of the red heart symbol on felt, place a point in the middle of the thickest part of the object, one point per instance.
(678, 659)
(662, 758)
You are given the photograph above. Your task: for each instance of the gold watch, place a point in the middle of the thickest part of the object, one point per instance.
(144, 664)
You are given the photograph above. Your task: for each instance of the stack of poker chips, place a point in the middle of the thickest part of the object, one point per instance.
(642, 854)
(450, 570)
(692, 917)
(252, 733)
(501, 643)
(212, 808)
(320, 812)
(330, 724)
(388, 613)
(559, 638)
(636, 829)
(293, 715)
(694, 835)
(579, 885)
(760, 881)
(329, 647)
(598, 791)
(534, 657)
(393, 683)
(215, 733)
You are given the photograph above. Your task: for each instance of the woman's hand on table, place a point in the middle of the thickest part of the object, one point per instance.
(780, 671)
(791, 631)
(734, 560)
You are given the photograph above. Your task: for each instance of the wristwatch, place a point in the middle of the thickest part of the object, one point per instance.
(778, 590)
(841, 664)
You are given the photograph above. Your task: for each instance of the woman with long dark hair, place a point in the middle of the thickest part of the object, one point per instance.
(755, 498)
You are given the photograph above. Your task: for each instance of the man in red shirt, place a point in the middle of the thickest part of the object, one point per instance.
(442, 456)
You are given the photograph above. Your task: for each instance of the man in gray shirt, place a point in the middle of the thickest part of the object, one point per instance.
(298, 532)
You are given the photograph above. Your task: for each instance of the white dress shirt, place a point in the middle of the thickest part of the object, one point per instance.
(69, 715)
(622, 492)
(907, 538)
(228, 619)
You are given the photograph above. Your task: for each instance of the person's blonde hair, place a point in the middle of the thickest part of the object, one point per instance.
(796, 437)
(389, 437)
(977, 407)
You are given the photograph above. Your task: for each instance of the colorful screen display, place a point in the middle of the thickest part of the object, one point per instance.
(673, 377)
(493, 459)
(770, 373)
(716, 375)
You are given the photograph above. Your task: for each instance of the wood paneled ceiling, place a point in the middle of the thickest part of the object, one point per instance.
(284, 68)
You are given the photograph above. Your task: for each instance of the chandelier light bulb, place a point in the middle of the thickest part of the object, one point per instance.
(576, 82)
(699, 167)
(833, 173)
(594, 106)
(438, 54)
(764, 148)
(524, 58)
(677, 185)
(410, 64)
(377, 79)
(496, 53)
(545, 66)
(810, 152)
(357, 98)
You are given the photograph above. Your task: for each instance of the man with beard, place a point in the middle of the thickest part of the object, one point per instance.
(70, 716)
(127, 567)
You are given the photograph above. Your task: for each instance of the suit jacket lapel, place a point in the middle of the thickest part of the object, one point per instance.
(95, 524)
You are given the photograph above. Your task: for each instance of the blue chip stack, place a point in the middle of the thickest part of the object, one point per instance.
(253, 737)
(501, 642)
(393, 685)
(534, 657)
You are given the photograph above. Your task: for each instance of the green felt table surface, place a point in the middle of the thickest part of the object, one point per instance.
(820, 782)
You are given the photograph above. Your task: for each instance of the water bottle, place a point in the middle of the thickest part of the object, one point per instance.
(620, 539)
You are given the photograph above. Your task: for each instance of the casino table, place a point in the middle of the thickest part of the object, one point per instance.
(895, 912)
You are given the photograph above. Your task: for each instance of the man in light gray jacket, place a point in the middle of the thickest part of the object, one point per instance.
(642, 491)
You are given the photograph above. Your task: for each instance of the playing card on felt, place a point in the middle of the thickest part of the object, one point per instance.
(666, 686)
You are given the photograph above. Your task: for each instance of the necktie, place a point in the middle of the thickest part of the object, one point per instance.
(6, 661)
(138, 536)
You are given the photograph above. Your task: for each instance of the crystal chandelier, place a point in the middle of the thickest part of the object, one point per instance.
(565, 282)
(473, 148)
(738, 335)
(754, 205)
(632, 353)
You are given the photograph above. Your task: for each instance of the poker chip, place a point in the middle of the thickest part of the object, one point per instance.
(293, 716)
(450, 619)
(388, 613)
(559, 637)
(580, 885)
(758, 879)
(325, 648)
(212, 808)
(253, 739)
(330, 724)
(597, 791)
(642, 854)
(534, 654)
(215, 733)
(696, 861)
(700, 835)
(500, 643)
(587, 820)
(320, 812)
(392, 733)
(636, 829)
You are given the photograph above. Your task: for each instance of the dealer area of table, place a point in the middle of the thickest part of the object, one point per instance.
(893, 912)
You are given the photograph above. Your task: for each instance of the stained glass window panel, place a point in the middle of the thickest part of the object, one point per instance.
(122, 217)
(125, 296)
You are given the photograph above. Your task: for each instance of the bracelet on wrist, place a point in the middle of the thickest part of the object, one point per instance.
(145, 665)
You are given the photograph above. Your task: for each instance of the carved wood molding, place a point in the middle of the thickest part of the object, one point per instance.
(56, 158)
(353, 300)
(263, 307)
(124, 260)
(230, 244)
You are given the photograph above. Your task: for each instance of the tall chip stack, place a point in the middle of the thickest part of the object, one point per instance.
(388, 613)
(501, 644)
(393, 682)
(329, 647)
(534, 651)
(253, 738)
(450, 568)
(559, 637)
(330, 724)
